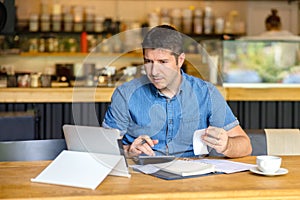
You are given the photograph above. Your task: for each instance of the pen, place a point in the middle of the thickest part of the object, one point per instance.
(143, 141)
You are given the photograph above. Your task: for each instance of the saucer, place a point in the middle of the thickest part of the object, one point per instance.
(281, 171)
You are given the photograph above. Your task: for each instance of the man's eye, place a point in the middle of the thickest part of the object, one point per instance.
(163, 61)
(147, 61)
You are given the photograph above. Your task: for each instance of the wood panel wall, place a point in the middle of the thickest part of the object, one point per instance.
(252, 115)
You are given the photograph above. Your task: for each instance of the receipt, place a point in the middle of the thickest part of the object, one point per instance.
(200, 147)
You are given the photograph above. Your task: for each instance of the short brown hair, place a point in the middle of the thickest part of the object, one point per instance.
(164, 37)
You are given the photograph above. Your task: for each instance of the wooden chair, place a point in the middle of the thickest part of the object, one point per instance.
(282, 142)
(31, 150)
(258, 142)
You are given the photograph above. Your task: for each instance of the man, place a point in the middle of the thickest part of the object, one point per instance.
(159, 112)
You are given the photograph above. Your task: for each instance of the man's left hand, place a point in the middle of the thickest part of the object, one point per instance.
(216, 138)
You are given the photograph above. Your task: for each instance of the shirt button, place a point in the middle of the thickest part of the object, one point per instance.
(170, 121)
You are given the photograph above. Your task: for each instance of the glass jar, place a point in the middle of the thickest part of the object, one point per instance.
(23, 80)
(33, 45)
(3, 79)
(78, 19)
(98, 26)
(176, 18)
(198, 21)
(45, 22)
(89, 19)
(208, 21)
(34, 80)
(187, 16)
(56, 23)
(56, 18)
(68, 19)
(34, 23)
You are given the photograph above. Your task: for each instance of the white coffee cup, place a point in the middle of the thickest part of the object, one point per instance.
(268, 164)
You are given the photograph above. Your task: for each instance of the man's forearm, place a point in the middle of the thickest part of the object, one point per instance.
(237, 147)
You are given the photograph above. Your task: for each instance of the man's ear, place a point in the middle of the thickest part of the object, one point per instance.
(181, 59)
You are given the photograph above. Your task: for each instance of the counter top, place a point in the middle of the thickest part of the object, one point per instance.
(277, 92)
(262, 92)
(55, 95)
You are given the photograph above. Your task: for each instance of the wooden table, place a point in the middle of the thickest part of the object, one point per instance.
(15, 184)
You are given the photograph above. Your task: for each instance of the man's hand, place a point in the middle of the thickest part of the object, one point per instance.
(216, 138)
(142, 144)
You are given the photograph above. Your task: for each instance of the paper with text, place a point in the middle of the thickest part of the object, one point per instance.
(227, 166)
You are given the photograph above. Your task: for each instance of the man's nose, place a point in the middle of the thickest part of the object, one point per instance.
(155, 68)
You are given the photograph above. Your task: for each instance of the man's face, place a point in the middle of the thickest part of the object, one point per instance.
(162, 69)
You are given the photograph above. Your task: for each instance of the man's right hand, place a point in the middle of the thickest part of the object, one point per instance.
(141, 145)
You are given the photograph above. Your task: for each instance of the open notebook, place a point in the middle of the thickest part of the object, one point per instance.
(93, 153)
(186, 168)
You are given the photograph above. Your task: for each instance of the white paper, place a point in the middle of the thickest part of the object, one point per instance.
(199, 146)
(146, 169)
(227, 166)
(221, 165)
(120, 169)
(181, 167)
(78, 169)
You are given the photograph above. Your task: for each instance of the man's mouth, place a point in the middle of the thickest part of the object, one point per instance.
(156, 79)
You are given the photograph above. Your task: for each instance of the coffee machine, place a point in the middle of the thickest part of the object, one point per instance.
(65, 72)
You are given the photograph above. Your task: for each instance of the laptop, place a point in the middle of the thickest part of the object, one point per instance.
(96, 140)
(93, 153)
(93, 139)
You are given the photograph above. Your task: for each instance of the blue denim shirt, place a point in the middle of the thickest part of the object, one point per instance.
(138, 108)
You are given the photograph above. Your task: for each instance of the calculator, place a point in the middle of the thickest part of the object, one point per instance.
(144, 159)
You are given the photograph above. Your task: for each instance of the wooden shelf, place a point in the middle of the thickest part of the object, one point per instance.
(79, 54)
(55, 95)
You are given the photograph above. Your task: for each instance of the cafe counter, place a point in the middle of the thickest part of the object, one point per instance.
(233, 92)
(256, 106)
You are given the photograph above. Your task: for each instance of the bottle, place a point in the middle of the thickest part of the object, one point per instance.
(83, 42)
